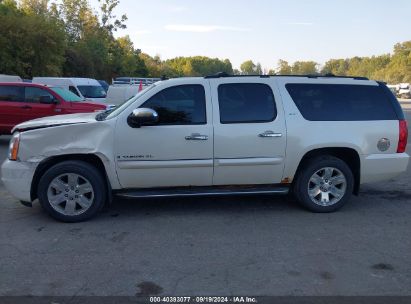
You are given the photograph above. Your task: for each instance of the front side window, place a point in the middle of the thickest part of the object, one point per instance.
(338, 102)
(246, 103)
(179, 105)
(92, 91)
(12, 93)
(35, 95)
(67, 95)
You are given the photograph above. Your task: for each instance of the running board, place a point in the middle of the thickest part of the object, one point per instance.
(203, 191)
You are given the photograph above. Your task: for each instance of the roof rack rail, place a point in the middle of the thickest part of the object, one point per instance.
(224, 74)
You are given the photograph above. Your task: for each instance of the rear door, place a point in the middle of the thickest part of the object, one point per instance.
(249, 131)
(12, 107)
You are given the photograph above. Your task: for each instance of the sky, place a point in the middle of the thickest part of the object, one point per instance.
(266, 30)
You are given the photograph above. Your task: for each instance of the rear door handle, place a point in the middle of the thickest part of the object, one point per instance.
(196, 136)
(25, 107)
(270, 134)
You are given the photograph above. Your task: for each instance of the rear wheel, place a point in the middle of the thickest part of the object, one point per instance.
(72, 191)
(324, 184)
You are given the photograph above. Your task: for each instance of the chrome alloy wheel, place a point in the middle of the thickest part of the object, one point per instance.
(327, 186)
(70, 194)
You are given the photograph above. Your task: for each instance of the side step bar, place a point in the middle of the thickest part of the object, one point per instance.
(203, 191)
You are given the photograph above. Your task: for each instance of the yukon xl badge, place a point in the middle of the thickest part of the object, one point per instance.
(134, 157)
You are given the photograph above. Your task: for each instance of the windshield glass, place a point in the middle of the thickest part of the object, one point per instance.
(111, 113)
(92, 91)
(67, 95)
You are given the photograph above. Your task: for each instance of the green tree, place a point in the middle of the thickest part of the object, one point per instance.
(283, 68)
(31, 43)
(338, 67)
(304, 68)
(249, 68)
(108, 18)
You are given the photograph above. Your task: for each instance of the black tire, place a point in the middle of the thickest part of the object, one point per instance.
(84, 170)
(301, 185)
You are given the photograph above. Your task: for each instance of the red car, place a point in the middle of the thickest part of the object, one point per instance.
(20, 102)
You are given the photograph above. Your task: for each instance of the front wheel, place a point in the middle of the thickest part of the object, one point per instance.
(324, 184)
(72, 191)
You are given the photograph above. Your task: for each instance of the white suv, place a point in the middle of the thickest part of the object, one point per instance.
(316, 137)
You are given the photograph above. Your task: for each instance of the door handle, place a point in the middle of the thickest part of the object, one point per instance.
(270, 134)
(25, 107)
(196, 136)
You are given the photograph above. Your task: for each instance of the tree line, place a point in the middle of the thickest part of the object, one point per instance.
(69, 38)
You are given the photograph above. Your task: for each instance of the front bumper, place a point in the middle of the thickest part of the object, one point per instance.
(379, 167)
(17, 177)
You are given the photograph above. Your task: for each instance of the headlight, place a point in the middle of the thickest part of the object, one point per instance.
(14, 146)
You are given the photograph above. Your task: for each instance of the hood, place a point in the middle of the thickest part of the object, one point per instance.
(53, 121)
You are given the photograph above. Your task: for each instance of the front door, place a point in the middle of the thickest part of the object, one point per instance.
(176, 152)
(249, 131)
(37, 109)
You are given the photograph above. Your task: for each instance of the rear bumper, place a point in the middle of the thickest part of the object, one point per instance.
(17, 178)
(379, 167)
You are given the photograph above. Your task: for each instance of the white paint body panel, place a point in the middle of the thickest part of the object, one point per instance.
(240, 155)
(167, 158)
(233, 154)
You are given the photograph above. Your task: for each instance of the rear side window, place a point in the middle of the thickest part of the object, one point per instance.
(179, 105)
(246, 103)
(335, 102)
(12, 93)
(35, 95)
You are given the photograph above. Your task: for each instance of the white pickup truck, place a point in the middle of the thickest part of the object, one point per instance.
(316, 137)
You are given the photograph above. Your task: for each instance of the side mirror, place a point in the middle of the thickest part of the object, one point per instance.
(47, 99)
(142, 117)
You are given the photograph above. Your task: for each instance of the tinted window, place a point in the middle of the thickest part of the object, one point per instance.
(246, 103)
(11, 93)
(34, 94)
(323, 102)
(179, 105)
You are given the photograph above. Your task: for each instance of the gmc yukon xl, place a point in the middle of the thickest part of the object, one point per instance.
(315, 137)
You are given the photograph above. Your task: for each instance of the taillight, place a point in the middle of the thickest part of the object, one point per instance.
(402, 141)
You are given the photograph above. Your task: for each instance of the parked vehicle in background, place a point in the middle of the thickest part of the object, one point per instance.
(85, 88)
(316, 137)
(393, 88)
(104, 84)
(118, 93)
(404, 90)
(135, 80)
(10, 78)
(124, 88)
(20, 102)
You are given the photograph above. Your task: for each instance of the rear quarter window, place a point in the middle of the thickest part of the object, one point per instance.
(335, 102)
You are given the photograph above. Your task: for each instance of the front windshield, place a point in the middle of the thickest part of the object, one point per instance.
(89, 91)
(67, 95)
(111, 113)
